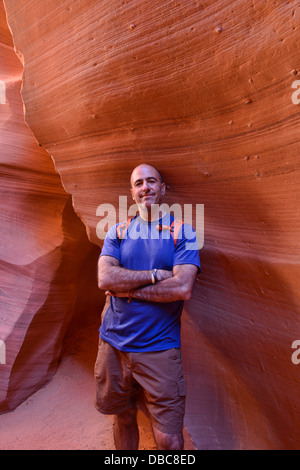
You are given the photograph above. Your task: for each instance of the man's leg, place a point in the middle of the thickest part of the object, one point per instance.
(126, 433)
(160, 374)
(168, 441)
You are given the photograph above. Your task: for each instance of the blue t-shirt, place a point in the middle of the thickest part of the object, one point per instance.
(143, 325)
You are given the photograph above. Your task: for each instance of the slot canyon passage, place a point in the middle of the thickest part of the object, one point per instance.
(203, 91)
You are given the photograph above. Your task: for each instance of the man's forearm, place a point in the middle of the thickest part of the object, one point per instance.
(168, 290)
(118, 279)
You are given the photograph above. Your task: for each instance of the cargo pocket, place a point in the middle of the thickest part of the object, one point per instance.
(181, 387)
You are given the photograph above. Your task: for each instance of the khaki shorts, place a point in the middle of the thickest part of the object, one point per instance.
(151, 381)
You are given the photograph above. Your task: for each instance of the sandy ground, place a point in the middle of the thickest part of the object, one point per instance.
(61, 415)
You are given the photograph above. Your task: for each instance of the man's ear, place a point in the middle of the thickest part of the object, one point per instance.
(163, 188)
(131, 194)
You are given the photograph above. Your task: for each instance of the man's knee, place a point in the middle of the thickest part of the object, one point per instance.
(168, 441)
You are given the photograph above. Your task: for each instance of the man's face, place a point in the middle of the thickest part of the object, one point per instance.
(146, 186)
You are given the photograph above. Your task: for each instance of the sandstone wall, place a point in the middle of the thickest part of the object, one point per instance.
(202, 90)
(43, 246)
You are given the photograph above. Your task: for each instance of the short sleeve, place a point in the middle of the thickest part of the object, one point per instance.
(111, 246)
(186, 250)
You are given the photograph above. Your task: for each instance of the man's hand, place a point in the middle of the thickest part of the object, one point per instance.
(118, 294)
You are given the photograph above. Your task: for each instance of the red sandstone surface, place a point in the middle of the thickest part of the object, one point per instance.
(43, 247)
(202, 90)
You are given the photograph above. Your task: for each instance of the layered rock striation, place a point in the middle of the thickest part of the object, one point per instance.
(43, 246)
(202, 90)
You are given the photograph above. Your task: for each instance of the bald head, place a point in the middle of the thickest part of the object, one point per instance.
(149, 169)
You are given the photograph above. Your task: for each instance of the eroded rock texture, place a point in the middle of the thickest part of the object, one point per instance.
(201, 90)
(43, 246)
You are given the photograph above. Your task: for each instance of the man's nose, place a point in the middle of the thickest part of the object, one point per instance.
(145, 186)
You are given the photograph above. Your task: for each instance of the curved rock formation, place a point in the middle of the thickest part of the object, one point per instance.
(43, 247)
(201, 90)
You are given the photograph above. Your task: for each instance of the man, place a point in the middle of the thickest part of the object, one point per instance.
(147, 271)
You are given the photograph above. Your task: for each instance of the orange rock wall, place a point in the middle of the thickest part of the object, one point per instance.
(202, 90)
(43, 246)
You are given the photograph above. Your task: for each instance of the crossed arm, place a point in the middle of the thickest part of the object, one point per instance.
(172, 285)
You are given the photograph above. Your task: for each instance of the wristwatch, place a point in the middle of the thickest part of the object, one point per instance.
(154, 276)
